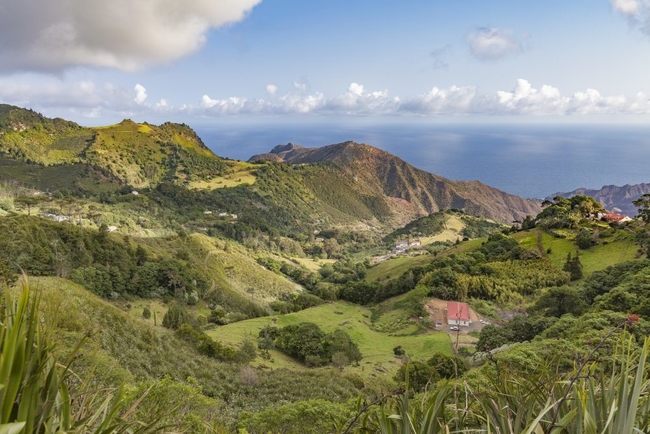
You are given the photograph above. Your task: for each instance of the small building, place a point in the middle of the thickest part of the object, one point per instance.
(402, 245)
(458, 313)
(614, 217)
(415, 243)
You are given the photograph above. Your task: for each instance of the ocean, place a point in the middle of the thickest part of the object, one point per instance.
(532, 161)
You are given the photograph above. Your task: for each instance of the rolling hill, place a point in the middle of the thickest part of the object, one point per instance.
(139, 155)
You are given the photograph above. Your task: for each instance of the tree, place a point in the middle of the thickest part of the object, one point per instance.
(492, 337)
(27, 202)
(573, 266)
(175, 317)
(417, 374)
(643, 207)
(559, 301)
(584, 239)
(446, 366)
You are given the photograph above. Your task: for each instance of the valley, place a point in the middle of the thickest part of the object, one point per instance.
(306, 289)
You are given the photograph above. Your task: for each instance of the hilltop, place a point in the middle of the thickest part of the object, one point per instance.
(139, 155)
(405, 189)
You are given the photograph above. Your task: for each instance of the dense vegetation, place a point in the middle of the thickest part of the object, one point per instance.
(208, 295)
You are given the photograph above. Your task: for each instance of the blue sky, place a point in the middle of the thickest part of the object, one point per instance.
(256, 61)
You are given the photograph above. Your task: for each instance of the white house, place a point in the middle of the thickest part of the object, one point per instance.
(458, 313)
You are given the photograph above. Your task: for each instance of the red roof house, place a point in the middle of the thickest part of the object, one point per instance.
(458, 313)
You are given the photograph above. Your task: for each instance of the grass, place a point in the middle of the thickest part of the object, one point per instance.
(226, 181)
(619, 248)
(453, 227)
(309, 263)
(393, 268)
(377, 348)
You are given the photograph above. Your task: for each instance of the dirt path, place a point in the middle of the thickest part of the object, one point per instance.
(540, 246)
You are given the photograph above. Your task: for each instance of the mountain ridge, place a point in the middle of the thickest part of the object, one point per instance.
(613, 197)
(407, 189)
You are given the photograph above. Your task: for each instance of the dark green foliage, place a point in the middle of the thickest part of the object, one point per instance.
(359, 292)
(601, 282)
(207, 346)
(339, 342)
(521, 328)
(309, 344)
(424, 226)
(146, 312)
(643, 207)
(418, 375)
(573, 266)
(303, 340)
(399, 351)
(584, 239)
(501, 247)
(447, 366)
(101, 262)
(314, 416)
(492, 337)
(559, 301)
(567, 213)
(175, 317)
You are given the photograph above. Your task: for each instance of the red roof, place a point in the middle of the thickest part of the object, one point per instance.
(613, 217)
(457, 311)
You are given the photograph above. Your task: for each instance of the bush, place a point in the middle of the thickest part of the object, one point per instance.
(175, 317)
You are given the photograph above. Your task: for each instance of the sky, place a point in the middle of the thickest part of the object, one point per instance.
(246, 62)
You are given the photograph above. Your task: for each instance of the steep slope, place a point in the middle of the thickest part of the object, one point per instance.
(406, 190)
(613, 197)
(140, 155)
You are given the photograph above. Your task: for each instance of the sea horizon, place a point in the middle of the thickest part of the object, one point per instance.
(532, 161)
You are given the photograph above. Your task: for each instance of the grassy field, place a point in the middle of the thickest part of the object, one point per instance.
(309, 263)
(395, 267)
(377, 348)
(242, 174)
(619, 248)
(230, 180)
(453, 228)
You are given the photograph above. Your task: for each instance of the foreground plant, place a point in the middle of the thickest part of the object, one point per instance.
(586, 401)
(34, 385)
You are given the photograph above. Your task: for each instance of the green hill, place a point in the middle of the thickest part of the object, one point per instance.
(139, 155)
(124, 351)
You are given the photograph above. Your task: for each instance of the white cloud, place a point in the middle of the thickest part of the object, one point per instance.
(454, 100)
(271, 89)
(53, 35)
(637, 13)
(140, 94)
(626, 7)
(493, 43)
(87, 99)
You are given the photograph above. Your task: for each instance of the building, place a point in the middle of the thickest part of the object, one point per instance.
(458, 313)
(401, 246)
(614, 217)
